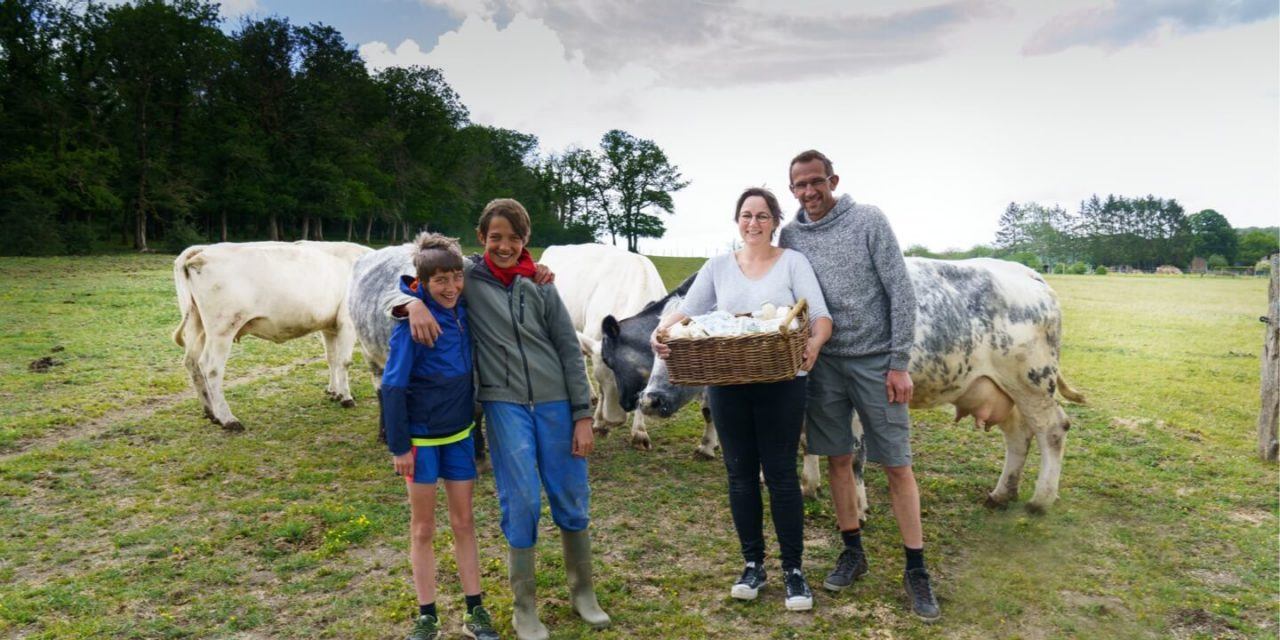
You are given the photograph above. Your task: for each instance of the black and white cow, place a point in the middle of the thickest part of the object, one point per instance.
(625, 350)
(987, 341)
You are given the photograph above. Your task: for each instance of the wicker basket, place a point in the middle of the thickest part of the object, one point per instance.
(745, 359)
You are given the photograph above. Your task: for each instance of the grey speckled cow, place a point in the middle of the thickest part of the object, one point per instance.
(987, 341)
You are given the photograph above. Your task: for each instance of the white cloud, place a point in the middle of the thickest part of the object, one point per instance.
(234, 8)
(1123, 22)
(942, 145)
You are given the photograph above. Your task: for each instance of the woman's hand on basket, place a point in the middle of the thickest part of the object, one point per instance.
(659, 349)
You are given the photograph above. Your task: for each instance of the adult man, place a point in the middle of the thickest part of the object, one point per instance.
(864, 365)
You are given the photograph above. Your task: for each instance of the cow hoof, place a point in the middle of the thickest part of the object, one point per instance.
(702, 454)
(993, 502)
(233, 426)
(348, 403)
(1036, 509)
(641, 442)
(212, 418)
(602, 431)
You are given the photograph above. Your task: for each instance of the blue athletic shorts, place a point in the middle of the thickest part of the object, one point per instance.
(453, 461)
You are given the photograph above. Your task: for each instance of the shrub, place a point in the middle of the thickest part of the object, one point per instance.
(1100, 271)
(1060, 268)
(182, 235)
(1216, 261)
(1026, 258)
(79, 238)
(1077, 269)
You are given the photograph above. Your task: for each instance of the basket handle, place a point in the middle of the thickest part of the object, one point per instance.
(796, 310)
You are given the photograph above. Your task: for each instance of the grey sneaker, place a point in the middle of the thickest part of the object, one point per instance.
(851, 565)
(920, 593)
(425, 628)
(478, 625)
(799, 597)
(748, 586)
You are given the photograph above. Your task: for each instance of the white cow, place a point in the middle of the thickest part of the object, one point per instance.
(277, 291)
(596, 281)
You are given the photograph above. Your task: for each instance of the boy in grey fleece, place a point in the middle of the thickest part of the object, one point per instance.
(863, 367)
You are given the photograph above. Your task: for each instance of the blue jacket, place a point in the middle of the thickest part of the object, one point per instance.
(427, 391)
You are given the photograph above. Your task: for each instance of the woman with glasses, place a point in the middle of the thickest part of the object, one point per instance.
(759, 424)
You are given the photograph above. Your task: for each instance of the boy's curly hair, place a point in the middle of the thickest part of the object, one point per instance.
(433, 253)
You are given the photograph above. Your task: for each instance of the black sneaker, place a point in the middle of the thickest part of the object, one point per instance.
(851, 565)
(748, 586)
(799, 597)
(923, 604)
(478, 625)
(425, 628)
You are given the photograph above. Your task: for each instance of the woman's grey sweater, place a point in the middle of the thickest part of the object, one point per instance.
(864, 279)
(722, 285)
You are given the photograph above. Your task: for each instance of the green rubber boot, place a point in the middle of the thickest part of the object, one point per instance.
(577, 569)
(524, 587)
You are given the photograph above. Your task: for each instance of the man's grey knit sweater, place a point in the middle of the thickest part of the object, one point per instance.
(863, 277)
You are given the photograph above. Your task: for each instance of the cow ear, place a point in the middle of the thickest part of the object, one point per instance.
(610, 327)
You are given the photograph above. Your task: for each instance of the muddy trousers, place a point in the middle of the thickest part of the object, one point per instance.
(759, 428)
(531, 451)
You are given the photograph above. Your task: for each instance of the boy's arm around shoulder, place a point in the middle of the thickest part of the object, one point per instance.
(395, 389)
(565, 338)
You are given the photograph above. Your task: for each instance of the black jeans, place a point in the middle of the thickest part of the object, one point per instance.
(759, 427)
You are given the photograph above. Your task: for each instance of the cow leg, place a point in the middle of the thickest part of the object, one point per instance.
(608, 413)
(1017, 439)
(859, 466)
(640, 437)
(193, 345)
(810, 469)
(213, 364)
(338, 346)
(710, 439)
(1053, 441)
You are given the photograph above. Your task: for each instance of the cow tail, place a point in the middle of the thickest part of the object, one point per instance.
(1067, 392)
(180, 282)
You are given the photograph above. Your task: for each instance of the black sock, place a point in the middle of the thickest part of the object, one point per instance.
(915, 558)
(852, 539)
(428, 610)
(472, 602)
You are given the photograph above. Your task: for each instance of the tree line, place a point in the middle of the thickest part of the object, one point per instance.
(145, 124)
(1140, 233)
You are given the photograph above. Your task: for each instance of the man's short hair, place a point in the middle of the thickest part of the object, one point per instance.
(433, 253)
(810, 156)
(510, 209)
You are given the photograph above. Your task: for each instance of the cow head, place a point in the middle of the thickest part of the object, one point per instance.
(625, 350)
(642, 377)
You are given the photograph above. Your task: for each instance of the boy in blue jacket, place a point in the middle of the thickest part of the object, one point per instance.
(427, 402)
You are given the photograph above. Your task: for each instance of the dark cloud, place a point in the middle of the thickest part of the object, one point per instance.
(1125, 22)
(704, 43)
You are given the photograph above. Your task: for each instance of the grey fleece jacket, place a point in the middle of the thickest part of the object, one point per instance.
(526, 347)
(864, 280)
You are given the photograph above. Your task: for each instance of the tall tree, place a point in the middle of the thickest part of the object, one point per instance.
(159, 59)
(1213, 235)
(641, 179)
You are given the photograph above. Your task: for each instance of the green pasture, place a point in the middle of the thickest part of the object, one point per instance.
(127, 515)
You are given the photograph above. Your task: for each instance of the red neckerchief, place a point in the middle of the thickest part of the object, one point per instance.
(523, 267)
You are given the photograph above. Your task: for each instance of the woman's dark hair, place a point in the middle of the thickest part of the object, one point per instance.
(770, 200)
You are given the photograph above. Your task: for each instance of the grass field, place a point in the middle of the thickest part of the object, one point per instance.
(127, 515)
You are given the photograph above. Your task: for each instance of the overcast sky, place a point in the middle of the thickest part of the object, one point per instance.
(938, 112)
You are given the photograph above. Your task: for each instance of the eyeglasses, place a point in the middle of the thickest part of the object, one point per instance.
(815, 183)
(746, 218)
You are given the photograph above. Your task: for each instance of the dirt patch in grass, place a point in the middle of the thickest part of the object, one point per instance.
(1249, 516)
(1185, 624)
